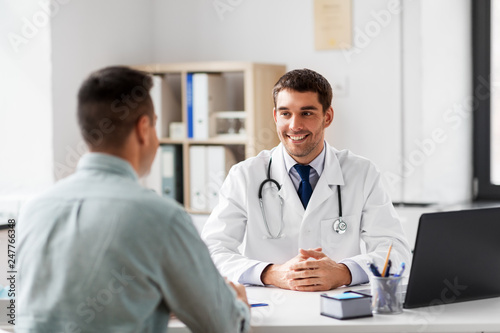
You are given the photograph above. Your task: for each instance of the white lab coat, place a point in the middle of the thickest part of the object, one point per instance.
(366, 208)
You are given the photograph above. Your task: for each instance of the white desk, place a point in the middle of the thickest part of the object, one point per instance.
(292, 311)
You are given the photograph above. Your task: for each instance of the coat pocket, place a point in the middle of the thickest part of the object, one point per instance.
(331, 239)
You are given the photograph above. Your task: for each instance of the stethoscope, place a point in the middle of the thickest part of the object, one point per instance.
(339, 225)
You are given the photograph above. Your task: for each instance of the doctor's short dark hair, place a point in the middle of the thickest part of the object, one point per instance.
(305, 80)
(110, 102)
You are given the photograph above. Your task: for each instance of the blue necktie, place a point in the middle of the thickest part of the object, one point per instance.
(305, 190)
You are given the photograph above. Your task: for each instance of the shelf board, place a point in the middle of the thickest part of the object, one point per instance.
(197, 212)
(229, 114)
(171, 141)
(196, 67)
(208, 66)
(230, 140)
(219, 140)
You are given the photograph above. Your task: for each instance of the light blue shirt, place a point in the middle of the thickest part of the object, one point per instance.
(99, 253)
(253, 274)
(316, 168)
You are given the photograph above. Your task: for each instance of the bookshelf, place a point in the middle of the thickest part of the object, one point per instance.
(245, 126)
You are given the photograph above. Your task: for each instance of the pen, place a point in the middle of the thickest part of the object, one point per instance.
(401, 270)
(256, 305)
(374, 269)
(387, 260)
(388, 268)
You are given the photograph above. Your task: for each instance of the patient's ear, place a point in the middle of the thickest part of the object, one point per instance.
(142, 128)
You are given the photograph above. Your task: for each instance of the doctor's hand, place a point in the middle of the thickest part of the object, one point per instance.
(302, 274)
(320, 274)
(276, 274)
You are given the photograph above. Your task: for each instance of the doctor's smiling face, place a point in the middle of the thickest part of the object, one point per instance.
(300, 122)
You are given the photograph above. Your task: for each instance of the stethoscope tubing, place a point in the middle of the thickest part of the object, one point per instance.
(339, 226)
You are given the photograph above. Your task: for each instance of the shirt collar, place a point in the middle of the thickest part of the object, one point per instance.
(317, 164)
(107, 163)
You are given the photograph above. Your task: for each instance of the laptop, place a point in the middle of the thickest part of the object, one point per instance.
(456, 258)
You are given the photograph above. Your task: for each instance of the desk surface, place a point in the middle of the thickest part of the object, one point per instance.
(293, 311)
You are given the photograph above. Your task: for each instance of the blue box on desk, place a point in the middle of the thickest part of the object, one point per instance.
(346, 306)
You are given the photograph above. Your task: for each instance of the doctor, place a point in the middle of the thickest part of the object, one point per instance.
(320, 206)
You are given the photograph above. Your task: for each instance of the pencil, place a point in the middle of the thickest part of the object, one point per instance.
(387, 260)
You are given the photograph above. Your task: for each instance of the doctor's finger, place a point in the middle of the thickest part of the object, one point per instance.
(312, 253)
(303, 282)
(318, 249)
(302, 274)
(316, 287)
(308, 264)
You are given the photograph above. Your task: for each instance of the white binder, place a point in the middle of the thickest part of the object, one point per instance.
(209, 95)
(198, 178)
(209, 166)
(219, 161)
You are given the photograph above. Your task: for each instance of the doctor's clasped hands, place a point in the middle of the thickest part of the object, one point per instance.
(303, 274)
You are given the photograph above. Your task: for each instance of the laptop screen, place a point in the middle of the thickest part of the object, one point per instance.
(456, 258)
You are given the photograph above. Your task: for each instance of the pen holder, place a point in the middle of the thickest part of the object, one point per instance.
(386, 295)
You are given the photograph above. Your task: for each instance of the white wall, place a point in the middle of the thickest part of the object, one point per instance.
(88, 35)
(25, 93)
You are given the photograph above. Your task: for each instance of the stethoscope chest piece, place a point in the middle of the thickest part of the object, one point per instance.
(339, 226)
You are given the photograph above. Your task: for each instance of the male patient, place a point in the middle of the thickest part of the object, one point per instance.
(99, 253)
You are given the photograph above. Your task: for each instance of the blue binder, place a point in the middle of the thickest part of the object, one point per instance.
(189, 102)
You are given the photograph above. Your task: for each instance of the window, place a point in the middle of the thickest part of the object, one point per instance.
(486, 71)
(495, 93)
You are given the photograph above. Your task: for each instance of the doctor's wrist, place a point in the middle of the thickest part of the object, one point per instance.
(265, 276)
(347, 276)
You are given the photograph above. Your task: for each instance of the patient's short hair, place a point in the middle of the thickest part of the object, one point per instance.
(110, 102)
